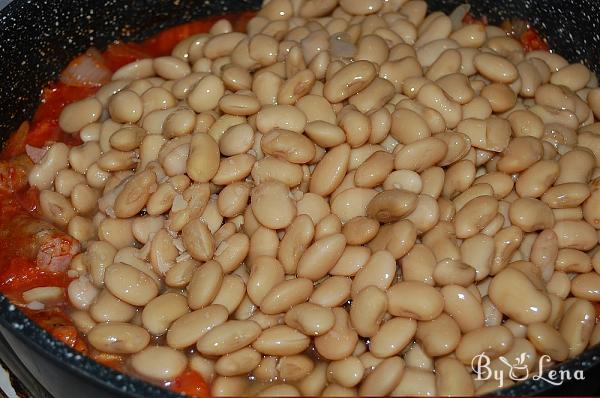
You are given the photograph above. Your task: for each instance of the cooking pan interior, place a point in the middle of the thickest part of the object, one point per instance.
(37, 40)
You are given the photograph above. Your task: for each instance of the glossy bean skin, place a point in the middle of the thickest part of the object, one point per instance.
(118, 338)
(159, 363)
(538, 309)
(401, 301)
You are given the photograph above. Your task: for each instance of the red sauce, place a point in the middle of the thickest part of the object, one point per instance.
(533, 41)
(189, 383)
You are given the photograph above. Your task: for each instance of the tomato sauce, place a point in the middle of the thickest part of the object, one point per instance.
(19, 270)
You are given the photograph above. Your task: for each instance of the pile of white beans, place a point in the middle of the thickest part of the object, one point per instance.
(352, 198)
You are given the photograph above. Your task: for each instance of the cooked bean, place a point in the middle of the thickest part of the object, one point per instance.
(108, 308)
(118, 338)
(328, 225)
(238, 363)
(340, 341)
(452, 272)
(56, 208)
(374, 170)
(231, 252)
(325, 134)
(126, 107)
(286, 117)
(287, 294)
(566, 195)
(332, 292)
(496, 68)
(281, 340)
(491, 340)
(231, 293)
(393, 336)
(189, 328)
(135, 194)
(265, 274)
(474, 216)
(384, 378)
(515, 295)
(228, 337)
(463, 306)
(310, 319)
(159, 363)
(575, 235)
(271, 168)
(390, 206)
(203, 160)
(478, 252)
(198, 240)
(236, 139)
(418, 264)
(548, 340)
(206, 94)
(272, 205)
(352, 203)
(415, 382)
(349, 80)
(79, 114)
(439, 336)
(531, 215)
(405, 180)
(586, 286)
(162, 311)
(280, 390)
(352, 260)
(204, 285)
(574, 76)
(576, 326)
(297, 238)
(571, 260)
(379, 272)
(320, 257)
(295, 368)
(330, 171)
(492, 134)
(367, 310)
(360, 230)
(129, 284)
(288, 145)
(373, 97)
(346, 372)
(402, 300)
(421, 154)
(452, 378)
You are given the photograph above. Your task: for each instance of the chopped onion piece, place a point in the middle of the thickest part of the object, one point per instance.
(36, 306)
(35, 154)
(458, 15)
(87, 70)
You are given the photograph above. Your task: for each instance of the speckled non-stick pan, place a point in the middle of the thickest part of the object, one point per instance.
(39, 37)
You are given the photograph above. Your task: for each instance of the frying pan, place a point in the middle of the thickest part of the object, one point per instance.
(37, 40)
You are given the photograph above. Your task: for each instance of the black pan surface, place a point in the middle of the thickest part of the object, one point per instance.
(37, 40)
